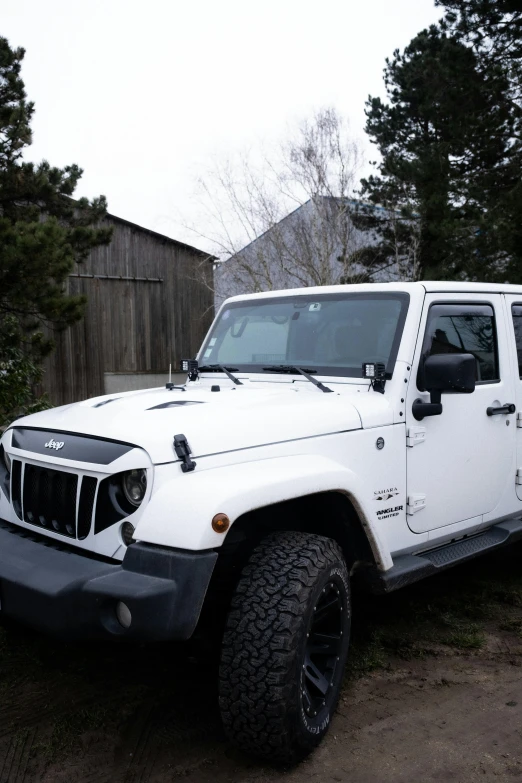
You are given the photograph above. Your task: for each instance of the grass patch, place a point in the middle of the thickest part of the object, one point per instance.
(365, 658)
(512, 626)
(465, 640)
(510, 595)
(67, 730)
(455, 610)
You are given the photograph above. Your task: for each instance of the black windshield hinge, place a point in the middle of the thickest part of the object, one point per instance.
(183, 451)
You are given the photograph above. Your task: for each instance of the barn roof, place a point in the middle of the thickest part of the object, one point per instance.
(162, 237)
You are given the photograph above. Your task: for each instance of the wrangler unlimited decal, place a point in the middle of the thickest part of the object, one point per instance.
(385, 513)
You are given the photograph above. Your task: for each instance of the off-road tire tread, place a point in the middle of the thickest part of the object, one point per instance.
(259, 673)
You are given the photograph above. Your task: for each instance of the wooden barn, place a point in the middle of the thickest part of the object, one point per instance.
(149, 304)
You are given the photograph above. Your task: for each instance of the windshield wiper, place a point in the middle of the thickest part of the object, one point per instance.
(289, 368)
(218, 368)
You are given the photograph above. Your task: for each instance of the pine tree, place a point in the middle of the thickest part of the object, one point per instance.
(446, 140)
(43, 232)
(493, 29)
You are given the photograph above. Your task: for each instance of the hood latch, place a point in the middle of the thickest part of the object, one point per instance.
(183, 451)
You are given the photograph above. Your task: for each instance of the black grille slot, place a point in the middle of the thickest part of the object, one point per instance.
(50, 499)
(85, 509)
(16, 487)
(5, 476)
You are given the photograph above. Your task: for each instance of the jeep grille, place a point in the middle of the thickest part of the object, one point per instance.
(47, 498)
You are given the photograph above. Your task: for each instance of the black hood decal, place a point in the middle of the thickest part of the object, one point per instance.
(82, 448)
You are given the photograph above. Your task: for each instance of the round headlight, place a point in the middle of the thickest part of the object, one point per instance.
(134, 486)
(7, 460)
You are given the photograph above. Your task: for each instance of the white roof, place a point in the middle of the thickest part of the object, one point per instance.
(472, 288)
(428, 286)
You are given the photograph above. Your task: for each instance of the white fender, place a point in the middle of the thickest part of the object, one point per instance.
(180, 511)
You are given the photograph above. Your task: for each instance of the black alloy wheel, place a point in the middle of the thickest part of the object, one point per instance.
(285, 646)
(323, 651)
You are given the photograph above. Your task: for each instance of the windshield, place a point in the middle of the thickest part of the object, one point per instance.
(330, 334)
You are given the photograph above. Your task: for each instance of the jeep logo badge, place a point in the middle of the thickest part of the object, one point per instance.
(53, 444)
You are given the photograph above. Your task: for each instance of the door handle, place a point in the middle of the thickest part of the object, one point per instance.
(507, 408)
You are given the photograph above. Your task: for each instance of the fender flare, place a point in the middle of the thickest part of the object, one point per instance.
(180, 512)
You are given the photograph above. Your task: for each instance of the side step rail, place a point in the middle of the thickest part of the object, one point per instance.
(411, 568)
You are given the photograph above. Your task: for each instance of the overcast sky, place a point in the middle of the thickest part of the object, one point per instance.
(142, 93)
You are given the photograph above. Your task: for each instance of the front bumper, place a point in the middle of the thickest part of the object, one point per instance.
(59, 590)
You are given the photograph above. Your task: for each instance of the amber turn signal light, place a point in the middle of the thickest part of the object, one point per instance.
(220, 523)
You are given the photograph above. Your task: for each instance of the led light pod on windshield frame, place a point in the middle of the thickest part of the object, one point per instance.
(134, 484)
(189, 366)
(376, 372)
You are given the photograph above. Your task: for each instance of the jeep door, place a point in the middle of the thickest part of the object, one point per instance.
(459, 463)
(514, 322)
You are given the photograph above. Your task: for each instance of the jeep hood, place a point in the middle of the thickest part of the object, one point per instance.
(214, 422)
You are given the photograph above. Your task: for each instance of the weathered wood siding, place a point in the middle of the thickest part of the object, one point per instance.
(131, 326)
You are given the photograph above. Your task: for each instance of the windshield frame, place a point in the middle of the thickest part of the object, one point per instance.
(320, 370)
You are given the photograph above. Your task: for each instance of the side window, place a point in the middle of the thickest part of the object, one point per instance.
(517, 324)
(465, 328)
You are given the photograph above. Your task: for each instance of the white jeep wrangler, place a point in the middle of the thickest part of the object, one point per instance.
(365, 431)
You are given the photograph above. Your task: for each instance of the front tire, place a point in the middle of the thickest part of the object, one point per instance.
(285, 646)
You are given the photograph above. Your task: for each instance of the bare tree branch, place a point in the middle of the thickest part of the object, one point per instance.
(282, 219)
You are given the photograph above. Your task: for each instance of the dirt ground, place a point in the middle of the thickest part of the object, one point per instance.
(433, 693)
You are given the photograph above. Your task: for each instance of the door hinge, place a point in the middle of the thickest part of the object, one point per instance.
(518, 479)
(415, 435)
(415, 503)
(519, 419)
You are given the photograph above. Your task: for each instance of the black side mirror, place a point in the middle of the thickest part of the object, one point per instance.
(450, 372)
(445, 372)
